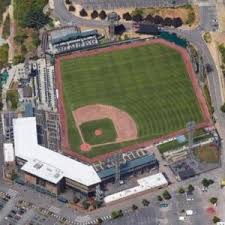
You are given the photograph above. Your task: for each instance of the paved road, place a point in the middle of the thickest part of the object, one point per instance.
(66, 17)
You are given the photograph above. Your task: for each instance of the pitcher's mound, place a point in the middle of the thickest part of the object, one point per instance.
(85, 147)
(98, 132)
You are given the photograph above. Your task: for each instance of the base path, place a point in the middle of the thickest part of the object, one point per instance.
(63, 116)
(124, 124)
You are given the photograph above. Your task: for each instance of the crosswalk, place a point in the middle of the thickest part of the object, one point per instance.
(54, 209)
(12, 193)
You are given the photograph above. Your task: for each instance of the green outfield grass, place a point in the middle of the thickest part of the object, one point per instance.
(105, 125)
(150, 83)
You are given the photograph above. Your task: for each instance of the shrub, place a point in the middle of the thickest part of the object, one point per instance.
(134, 207)
(94, 14)
(102, 15)
(72, 8)
(68, 2)
(83, 13)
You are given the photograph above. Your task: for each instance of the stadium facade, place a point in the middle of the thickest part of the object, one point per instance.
(55, 172)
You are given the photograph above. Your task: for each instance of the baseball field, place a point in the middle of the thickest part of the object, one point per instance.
(131, 95)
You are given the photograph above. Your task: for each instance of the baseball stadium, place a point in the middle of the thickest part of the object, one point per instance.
(124, 96)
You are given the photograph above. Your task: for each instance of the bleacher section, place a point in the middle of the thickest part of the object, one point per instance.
(130, 163)
(68, 39)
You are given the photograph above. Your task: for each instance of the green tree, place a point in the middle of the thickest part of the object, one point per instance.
(159, 197)
(85, 204)
(134, 207)
(166, 195)
(181, 190)
(213, 200)
(216, 219)
(100, 220)
(191, 188)
(222, 108)
(35, 19)
(145, 202)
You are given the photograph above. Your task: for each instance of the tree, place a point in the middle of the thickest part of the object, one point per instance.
(216, 219)
(167, 22)
(94, 14)
(137, 18)
(181, 190)
(68, 2)
(72, 8)
(213, 200)
(102, 15)
(134, 207)
(177, 22)
(149, 18)
(99, 220)
(222, 108)
(158, 20)
(166, 195)
(191, 188)
(20, 38)
(127, 16)
(159, 197)
(205, 183)
(83, 13)
(76, 199)
(145, 202)
(35, 19)
(85, 204)
(23, 50)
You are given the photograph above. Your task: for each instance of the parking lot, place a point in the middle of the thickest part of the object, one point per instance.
(112, 4)
(209, 20)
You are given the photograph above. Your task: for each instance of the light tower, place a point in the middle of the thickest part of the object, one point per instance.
(190, 127)
(113, 19)
(117, 159)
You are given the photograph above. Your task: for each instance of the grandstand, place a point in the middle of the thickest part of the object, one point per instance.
(67, 39)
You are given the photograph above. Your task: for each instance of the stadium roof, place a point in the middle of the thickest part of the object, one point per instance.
(129, 165)
(154, 181)
(27, 148)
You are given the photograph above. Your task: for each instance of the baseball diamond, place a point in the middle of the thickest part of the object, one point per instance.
(147, 80)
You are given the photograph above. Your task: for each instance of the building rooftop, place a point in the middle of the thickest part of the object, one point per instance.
(43, 170)
(146, 183)
(8, 152)
(27, 148)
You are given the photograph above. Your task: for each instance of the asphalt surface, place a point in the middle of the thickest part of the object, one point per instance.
(112, 4)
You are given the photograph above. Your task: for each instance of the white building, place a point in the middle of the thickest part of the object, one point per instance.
(47, 168)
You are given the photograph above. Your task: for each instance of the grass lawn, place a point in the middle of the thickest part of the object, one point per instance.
(150, 83)
(105, 125)
(172, 145)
